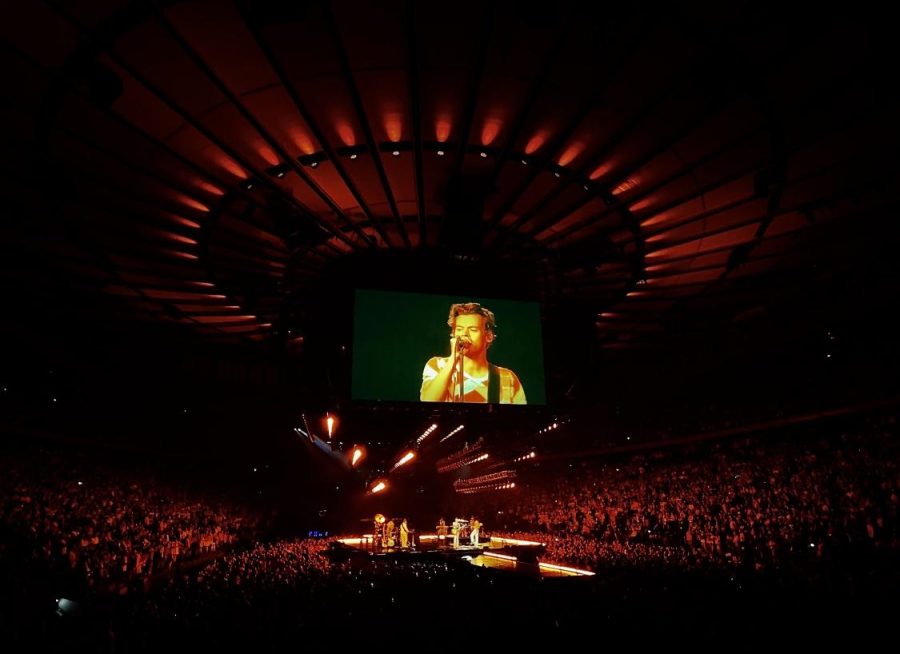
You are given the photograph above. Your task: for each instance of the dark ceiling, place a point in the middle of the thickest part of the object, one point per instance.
(213, 164)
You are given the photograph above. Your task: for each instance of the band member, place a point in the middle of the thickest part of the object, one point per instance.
(378, 531)
(476, 531)
(390, 532)
(455, 531)
(442, 532)
(404, 534)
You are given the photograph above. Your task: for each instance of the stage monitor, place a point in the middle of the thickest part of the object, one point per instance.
(403, 345)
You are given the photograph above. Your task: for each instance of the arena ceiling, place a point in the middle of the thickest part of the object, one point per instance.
(204, 163)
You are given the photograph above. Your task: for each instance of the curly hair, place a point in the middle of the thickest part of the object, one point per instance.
(473, 308)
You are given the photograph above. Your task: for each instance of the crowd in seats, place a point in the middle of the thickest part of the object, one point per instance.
(660, 527)
(268, 566)
(745, 503)
(107, 527)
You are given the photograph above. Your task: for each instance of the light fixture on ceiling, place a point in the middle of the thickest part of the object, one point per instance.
(278, 170)
(311, 160)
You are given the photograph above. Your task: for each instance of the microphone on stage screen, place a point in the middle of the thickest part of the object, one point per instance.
(463, 344)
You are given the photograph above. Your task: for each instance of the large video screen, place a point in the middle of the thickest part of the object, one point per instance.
(436, 348)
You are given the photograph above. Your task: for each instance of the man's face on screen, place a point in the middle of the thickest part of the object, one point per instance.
(472, 327)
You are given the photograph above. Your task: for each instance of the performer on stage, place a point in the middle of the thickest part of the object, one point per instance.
(442, 532)
(378, 532)
(390, 532)
(476, 530)
(455, 531)
(404, 534)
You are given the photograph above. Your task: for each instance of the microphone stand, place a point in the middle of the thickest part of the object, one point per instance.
(461, 376)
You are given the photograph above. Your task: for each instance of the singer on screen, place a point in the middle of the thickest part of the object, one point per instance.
(466, 375)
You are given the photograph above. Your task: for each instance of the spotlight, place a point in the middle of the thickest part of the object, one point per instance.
(352, 151)
(357, 455)
(278, 171)
(406, 458)
(311, 160)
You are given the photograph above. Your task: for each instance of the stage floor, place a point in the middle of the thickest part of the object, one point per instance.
(508, 554)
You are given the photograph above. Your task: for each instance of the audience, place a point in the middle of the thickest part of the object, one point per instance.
(107, 528)
(171, 565)
(746, 503)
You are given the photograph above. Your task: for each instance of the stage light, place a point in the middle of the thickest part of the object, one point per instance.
(357, 455)
(279, 170)
(406, 458)
(455, 431)
(380, 486)
(440, 153)
(312, 160)
(515, 541)
(496, 555)
(563, 568)
(331, 423)
(426, 433)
